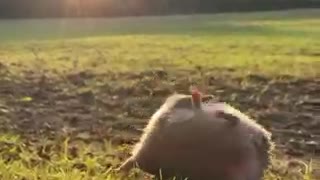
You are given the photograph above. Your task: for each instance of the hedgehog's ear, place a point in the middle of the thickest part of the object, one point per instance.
(232, 120)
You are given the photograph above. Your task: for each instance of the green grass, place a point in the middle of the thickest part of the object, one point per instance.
(293, 23)
(269, 43)
(61, 161)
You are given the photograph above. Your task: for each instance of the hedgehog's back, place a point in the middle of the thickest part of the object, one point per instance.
(197, 145)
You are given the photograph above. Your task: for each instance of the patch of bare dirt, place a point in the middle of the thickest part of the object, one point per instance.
(116, 106)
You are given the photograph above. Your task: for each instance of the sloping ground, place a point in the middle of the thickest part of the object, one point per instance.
(90, 90)
(115, 106)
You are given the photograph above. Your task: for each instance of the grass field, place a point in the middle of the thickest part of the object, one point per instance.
(75, 93)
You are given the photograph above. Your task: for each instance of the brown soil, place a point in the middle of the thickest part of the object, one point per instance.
(116, 106)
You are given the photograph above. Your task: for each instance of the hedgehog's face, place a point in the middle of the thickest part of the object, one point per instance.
(258, 158)
(252, 164)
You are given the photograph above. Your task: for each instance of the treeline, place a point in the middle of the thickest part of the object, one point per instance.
(107, 8)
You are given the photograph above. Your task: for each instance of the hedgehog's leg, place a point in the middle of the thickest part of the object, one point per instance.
(127, 165)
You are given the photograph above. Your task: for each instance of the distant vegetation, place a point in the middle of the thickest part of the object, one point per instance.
(107, 8)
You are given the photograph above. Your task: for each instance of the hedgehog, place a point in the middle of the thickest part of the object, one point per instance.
(195, 137)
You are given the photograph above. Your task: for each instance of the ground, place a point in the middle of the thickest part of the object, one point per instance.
(75, 94)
